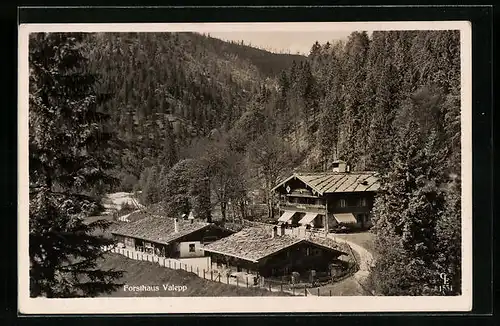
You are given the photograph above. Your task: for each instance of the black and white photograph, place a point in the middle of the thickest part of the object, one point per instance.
(255, 167)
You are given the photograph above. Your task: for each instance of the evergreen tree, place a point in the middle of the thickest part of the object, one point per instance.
(142, 179)
(410, 204)
(177, 191)
(169, 155)
(68, 141)
(200, 194)
(380, 136)
(356, 51)
(448, 228)
(151, 191)
(311, 100)
(315, 50)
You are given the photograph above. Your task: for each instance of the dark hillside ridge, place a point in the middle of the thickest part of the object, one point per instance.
(269, 64)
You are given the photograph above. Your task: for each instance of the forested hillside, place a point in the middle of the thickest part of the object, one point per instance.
(351, 99)
(168, 88)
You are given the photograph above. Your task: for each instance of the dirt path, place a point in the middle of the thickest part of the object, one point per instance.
(365, 260)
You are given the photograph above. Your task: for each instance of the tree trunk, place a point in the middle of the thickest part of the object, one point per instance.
(243, 210)
(223, 211)
(233, 212)
(297, 138)
(270, 206)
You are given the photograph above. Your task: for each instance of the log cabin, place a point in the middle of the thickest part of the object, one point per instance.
(168, 237)
(328, 200)
(268, 251)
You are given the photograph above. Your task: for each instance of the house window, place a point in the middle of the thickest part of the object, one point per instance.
(362, 202)
(308, 251)
(129, 242)
(191, 247)
(343, 203)
(317, 252)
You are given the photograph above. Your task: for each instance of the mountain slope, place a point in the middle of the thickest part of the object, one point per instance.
(190, 82)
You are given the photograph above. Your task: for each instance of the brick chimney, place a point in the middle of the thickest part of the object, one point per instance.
(341, 166)
(176, 225)
(274, 232)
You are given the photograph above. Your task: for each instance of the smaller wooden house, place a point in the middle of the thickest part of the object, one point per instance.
(269, 252)
(168, 237)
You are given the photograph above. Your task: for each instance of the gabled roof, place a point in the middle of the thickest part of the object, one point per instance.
(255, 243)
(157, 228)
(331, 182)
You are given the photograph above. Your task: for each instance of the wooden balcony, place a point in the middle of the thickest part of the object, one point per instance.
(349, 209)
(303, 208)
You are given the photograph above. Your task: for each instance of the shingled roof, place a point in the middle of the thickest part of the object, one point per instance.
(331, 182)
(157, 228)
(255, 243)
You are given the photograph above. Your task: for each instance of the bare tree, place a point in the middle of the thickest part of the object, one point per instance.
(226, 170)
(271, 159)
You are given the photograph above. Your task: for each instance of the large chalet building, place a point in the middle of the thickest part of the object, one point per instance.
(326, 200)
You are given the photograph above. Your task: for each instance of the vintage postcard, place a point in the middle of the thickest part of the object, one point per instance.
(245, 167)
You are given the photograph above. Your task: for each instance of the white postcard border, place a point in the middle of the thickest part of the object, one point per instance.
(29, 305)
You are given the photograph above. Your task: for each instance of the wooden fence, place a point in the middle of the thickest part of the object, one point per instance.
(301, 289)
(214, 275)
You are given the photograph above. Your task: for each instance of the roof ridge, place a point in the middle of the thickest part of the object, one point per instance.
(334, 172)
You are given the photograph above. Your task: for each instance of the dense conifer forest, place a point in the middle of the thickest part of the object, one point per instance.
(201, 124)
